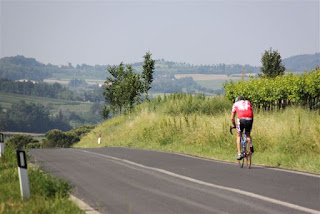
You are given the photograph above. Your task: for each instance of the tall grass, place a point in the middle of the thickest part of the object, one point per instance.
(48, 195)
(200, 126)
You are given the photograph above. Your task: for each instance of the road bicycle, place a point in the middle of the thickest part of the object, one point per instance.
(245, 152)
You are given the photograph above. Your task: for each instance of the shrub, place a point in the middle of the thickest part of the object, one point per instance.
(48, 186)
(81, 131)
(35, 145)
(21, 141)
(57, 138)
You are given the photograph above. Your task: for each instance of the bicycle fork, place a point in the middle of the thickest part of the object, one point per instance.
(244, 145)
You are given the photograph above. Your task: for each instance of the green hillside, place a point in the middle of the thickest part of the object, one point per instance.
(165, 80)
(74, 112)
(7, 100)
(199, 126)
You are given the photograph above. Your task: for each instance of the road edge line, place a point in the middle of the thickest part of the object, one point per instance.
(293, 171)
(80, 203)
(83, 205)
(230, 189)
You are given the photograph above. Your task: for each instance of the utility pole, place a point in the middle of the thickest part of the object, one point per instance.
(1, 145)
(242, 74)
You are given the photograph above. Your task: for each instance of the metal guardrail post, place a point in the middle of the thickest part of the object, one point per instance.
(23, 174)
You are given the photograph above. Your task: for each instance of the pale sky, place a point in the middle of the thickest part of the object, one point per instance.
(196, 32)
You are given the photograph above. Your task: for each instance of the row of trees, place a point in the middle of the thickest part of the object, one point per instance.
(280, 91)
(125, 87)
(274, 89)
(40, 89)
(53, 138)
(30, 118)
(55, 90)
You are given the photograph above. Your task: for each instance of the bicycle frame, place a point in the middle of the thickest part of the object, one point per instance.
(243, 146)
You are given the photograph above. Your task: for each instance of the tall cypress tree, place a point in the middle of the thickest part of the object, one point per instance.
(147, 72)
(271, 64)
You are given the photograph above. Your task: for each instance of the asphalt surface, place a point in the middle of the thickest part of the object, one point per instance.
(124, 180)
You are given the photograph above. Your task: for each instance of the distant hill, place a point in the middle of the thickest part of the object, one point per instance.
(20, 67)
(301, 63)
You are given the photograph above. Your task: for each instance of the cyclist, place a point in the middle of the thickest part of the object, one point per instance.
(243, 109)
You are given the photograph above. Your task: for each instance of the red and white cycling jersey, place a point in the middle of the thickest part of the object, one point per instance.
(243, 108)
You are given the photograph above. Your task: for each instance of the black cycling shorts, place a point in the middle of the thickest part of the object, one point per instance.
(244, 124)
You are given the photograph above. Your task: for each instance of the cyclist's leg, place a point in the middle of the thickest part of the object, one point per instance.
(249, 141)
(239, 128)
(248, 132)
(238, 135)
(249, 138)
(238, 142)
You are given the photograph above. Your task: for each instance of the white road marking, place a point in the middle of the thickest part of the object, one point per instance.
(249, 194)
(229, 163)
(81, 204)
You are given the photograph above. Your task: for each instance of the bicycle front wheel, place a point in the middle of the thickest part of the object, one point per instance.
(249, 159)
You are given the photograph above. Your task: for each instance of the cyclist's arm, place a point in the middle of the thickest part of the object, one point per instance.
(232, 119)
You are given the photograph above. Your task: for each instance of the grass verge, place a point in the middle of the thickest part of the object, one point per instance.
(48, 195)
(286, 139)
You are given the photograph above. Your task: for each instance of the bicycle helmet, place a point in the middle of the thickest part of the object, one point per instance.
(239, 98)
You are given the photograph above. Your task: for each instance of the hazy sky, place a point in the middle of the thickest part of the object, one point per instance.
(197, 32)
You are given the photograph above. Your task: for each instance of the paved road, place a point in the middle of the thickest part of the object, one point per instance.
(123, 180)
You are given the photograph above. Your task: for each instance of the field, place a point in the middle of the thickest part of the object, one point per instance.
(211, 81)
(66, 81)
(211, 84)
(200, 77)
(200, 126)
(7, 100)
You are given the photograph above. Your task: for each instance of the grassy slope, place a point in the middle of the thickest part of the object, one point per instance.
(48, 195)
(289, 139)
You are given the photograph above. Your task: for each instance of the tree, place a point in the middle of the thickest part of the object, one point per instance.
(271, 64)
(147, 73)
(124, 88)
(30, 118)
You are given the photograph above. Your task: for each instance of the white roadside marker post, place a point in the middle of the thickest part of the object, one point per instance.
(1, 145)
(99, 139)
(23, 174)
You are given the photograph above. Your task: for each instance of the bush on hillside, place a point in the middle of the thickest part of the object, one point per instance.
(57, 138)
(81, 130)
(21, 141)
